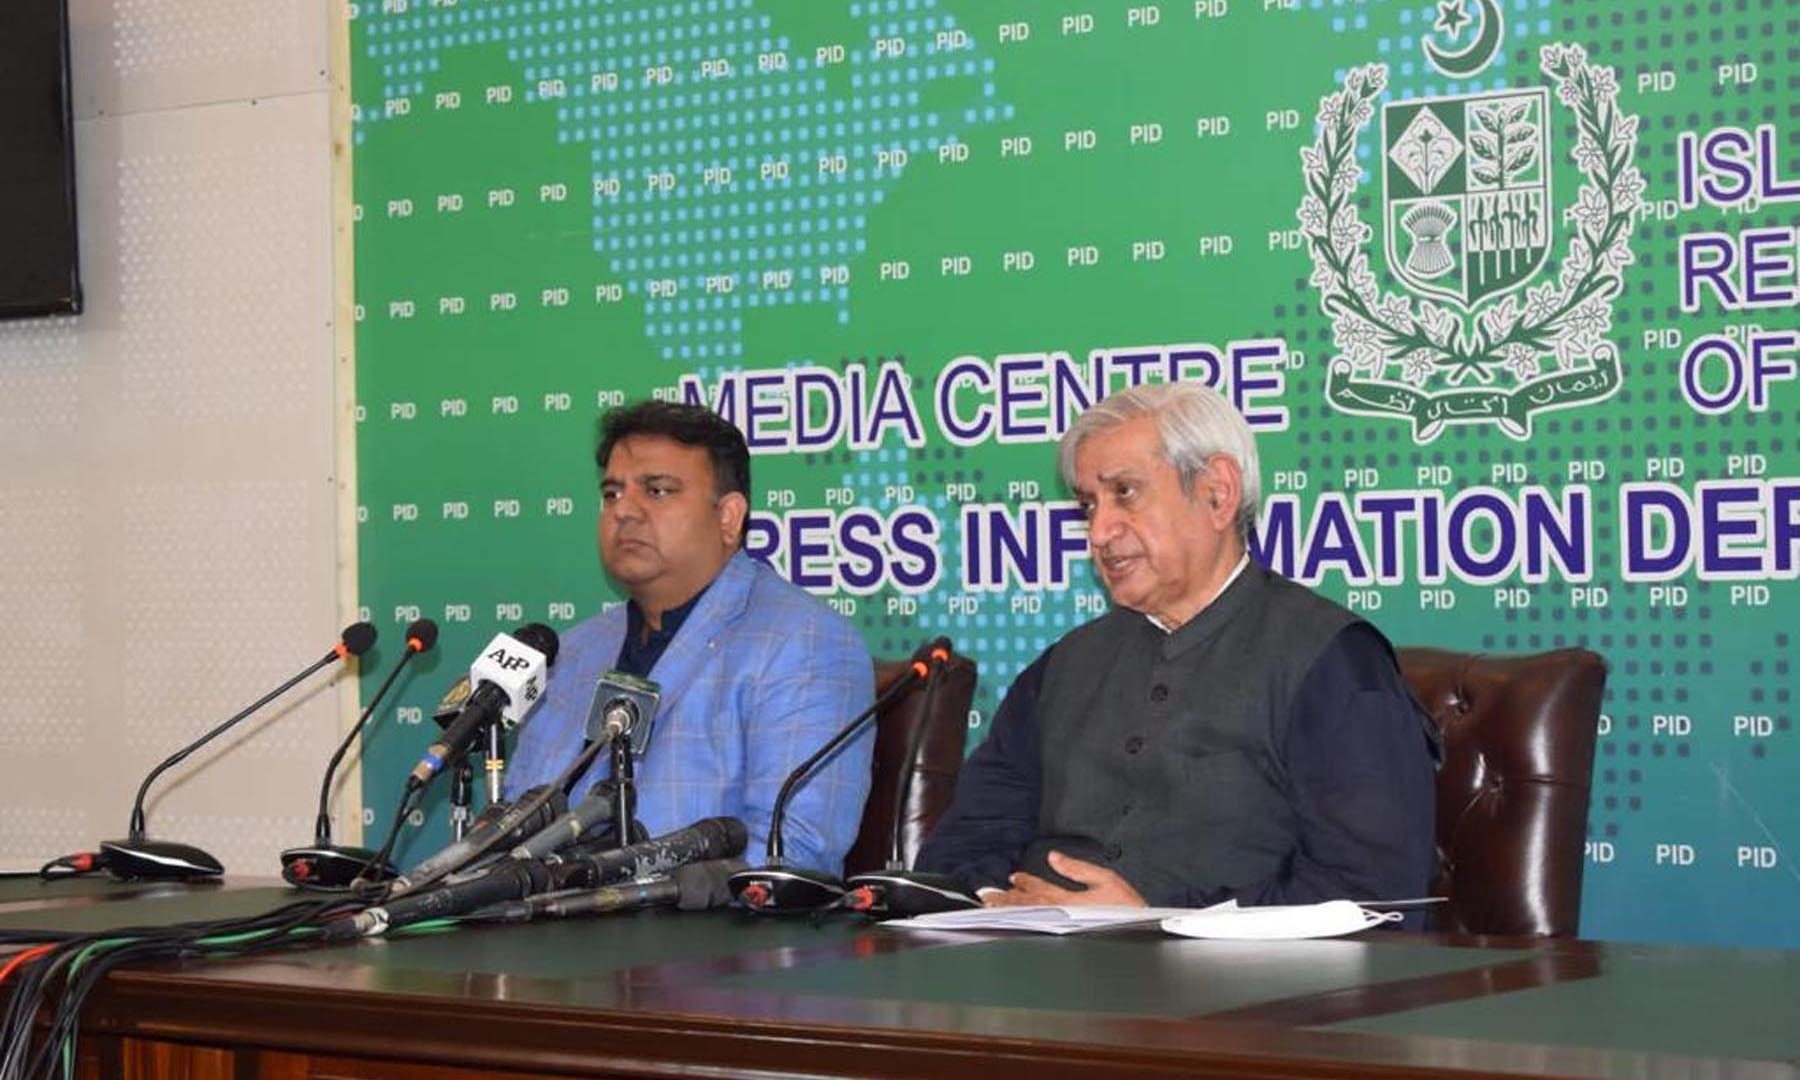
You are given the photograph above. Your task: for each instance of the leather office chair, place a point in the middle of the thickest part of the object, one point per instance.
(1512, 796)
(940, 759)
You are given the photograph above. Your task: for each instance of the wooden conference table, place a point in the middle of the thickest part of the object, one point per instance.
(726, 994)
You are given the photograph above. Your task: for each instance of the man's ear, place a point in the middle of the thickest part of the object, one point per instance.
(1223, 487)
(733, 510)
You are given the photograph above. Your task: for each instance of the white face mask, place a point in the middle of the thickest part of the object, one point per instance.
(1278, 923)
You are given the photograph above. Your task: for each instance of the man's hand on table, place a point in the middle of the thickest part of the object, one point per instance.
(1104, 886)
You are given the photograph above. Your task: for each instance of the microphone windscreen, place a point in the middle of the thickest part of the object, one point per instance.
(936, 651)
(424, 632)
(358, 638)
(541, 638)
(706, 885)
(728, 833)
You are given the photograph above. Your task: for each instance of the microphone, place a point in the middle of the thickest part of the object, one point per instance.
(896, 892)
(139, 857)
(516, 879)
(695, 887)
(507, 881)
(498, 824)
(589, 814)
(508, 678)
(531, 813)
(779, 889)
(623, 706)
(619, 718)
(327, 866)
(708, 838)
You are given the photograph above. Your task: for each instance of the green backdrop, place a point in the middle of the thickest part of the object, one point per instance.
(1507, 290)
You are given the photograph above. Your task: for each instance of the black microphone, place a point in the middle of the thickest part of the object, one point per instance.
(779, 889)
(506, 881)
(508, 678)
(138, 857)
(498, 825)
(585, 817)
(326, 866)
(708, 838)
(896, 892)
(515, 879)
(695, 887)
(533, 812)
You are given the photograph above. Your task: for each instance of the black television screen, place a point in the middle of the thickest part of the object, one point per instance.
(38, 268)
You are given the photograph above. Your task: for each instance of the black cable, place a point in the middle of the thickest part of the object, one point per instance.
(21, 1010)
(29, 993)
(189, 942)
(273, 929)
(375, 891)
(44, 872)
(69, 946)
(27, 1004)
(34, 937)
(303, 909)
(63, 866)
(62, 1029)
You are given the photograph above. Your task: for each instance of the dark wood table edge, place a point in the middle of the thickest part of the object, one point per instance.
(674, 1023)
(670, 1031)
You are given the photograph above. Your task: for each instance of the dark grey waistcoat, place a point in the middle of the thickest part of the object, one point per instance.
(1162, 752)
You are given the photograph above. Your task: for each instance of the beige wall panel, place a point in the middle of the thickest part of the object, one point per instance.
(131, 56)
(167, 513)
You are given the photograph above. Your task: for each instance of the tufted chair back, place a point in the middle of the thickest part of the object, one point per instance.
(1512, 797)
(940, 759)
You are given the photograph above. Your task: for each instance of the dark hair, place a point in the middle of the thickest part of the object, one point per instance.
(689, 425)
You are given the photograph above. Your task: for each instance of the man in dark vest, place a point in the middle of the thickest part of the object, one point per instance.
(1223, 733)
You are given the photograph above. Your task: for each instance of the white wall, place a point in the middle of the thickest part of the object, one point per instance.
(168, 535)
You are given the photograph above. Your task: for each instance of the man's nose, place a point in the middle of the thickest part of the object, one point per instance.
(1103, 525)
(626, 506)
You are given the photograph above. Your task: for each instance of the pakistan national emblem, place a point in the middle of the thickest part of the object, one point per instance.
(1493, 327)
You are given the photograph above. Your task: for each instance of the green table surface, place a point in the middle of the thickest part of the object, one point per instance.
(1736, 1011)
(1701, 1002)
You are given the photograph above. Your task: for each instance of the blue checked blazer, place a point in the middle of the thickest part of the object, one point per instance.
(760, 676)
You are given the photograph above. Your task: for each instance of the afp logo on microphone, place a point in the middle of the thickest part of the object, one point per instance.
(515, 666)
(506, 661)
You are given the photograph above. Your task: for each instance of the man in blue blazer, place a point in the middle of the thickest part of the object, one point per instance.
(755, 674)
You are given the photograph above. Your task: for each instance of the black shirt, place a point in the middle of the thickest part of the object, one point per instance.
(638, 654)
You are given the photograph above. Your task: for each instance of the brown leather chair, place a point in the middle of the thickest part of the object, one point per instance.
(1512, 797)
(940, 759)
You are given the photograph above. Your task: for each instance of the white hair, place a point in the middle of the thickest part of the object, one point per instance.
(1194, 421)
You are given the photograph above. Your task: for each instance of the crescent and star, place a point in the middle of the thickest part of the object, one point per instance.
(1452, 16)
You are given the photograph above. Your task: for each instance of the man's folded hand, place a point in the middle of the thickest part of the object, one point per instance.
(1102, 886)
